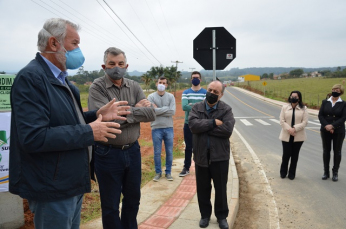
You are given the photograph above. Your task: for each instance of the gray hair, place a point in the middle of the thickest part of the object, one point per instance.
(54, 27)
(115, 52)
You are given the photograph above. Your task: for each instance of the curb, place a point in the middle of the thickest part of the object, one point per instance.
(233, 204)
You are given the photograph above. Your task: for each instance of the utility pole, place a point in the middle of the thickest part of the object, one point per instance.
(192, 69)
(176, 72)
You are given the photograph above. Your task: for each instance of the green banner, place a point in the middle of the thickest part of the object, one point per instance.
(6, 82)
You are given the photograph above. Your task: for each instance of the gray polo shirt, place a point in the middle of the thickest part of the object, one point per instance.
(103, 90)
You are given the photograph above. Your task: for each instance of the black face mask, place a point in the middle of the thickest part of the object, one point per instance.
(211, 98)
(293, 100)
(336, 94)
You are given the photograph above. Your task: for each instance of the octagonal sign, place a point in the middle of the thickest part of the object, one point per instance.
(225, 47)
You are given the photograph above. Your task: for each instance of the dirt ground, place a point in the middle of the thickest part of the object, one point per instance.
(178, 124)
(254, 202)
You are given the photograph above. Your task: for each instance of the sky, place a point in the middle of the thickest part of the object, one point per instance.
(269, 33)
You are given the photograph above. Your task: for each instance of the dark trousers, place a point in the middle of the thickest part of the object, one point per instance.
(218, 172)
(119, 172)
(188, 146)
(327, 139)
(290, 151)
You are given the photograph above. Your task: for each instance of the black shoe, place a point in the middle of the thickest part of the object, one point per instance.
(203, 223)
(223, 223)
(291, 177)
(283, 176)
(335, 176)
(184, 172)
(326, 175)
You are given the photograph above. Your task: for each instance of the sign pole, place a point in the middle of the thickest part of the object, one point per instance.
(214, 54)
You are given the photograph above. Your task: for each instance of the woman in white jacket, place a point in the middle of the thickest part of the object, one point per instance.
(293, 119)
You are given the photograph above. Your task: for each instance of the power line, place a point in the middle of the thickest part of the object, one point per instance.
(168, 29)
(145, 28)
(85, 28)
(158, 26)
(122, 29)
(130, 31)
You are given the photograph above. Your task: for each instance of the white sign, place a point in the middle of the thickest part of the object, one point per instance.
(229, 56)
(4, 149)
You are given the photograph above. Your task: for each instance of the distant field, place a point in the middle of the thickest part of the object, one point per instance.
(313, 90)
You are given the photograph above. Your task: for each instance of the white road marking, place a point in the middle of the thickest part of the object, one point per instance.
(274, 120)
(273, 211)
(262, 122)
(246, 122)
(315, 123)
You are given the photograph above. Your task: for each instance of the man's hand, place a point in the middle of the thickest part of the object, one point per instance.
(218, 122)
(114, 110)
(154, 105)
(143, 103)
(104, 130)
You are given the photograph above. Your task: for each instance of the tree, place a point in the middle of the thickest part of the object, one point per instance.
(146, 78)
(296, 73)
(271, 76)
(264, 76)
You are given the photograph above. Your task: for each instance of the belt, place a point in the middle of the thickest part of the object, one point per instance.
(123, 147)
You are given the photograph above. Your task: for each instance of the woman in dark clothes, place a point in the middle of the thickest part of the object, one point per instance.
(332, 117)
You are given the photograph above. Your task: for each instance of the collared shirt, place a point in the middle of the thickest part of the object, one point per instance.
(60, 75)
(210, 108)
(103, 90)
(330, 100)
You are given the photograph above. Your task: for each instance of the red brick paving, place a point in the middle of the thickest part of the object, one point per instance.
(174, 206)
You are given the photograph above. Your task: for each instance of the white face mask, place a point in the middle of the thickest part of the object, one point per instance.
(161, 87)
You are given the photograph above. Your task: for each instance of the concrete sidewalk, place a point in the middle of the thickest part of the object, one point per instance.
(173, 204)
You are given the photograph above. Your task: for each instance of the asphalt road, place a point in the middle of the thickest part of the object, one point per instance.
(307, 201)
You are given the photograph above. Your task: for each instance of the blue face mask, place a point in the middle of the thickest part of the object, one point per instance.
(74, 58)
(196, 81)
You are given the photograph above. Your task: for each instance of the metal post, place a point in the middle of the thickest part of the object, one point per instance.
(214, 54)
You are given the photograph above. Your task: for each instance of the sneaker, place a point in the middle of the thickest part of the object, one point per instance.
(184, 172)
(169, 177)
(157, 177)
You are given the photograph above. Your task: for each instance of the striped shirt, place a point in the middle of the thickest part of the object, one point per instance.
(189, 98)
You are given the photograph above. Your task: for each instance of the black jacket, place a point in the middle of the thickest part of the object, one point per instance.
(203, 127)
(333, 115)
(49, 157)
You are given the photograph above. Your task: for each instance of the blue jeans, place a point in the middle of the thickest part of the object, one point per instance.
(119, 172)
(60, 214)
(188, 146)
(165, 134)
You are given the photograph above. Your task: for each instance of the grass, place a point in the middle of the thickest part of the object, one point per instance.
(313, 90)
(84, 99)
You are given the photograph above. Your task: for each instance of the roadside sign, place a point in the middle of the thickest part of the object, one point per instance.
(264, 83)
(223, 43)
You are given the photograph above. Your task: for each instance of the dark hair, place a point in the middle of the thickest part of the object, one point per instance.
(300, 102)
(196, 72)
(163, 78)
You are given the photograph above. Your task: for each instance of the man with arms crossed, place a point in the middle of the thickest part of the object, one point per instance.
(189, 97)
(162, 127)
(118, 161)
(212, 122)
